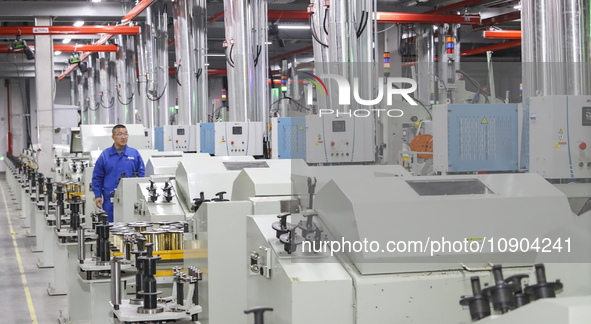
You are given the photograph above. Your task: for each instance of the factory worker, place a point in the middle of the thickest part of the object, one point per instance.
(113, 162)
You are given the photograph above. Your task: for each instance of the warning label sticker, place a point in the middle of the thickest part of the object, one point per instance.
(561, 146)
(484, 121)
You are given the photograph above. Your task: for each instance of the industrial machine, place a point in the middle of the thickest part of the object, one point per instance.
(182, 138)
(475, 137)
(288, 138)
(556, 133)
(99, 137)
(238, 139)
(376, 209)
(339, 139)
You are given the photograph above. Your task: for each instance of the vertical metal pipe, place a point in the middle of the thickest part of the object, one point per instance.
(73, 89)
(81, 97)
(143, 42)
(284, 104)
(122, 91)
(92, 108)
(131, 71)
(238, 22)
(81, 250)
(201, 78)
(113, 86)
(162, 61)
(115, 283)
(184, 49)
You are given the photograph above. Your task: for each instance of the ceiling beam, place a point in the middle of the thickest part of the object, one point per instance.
(68, 30)
(68, 48)
(496, 20)
(455, 6)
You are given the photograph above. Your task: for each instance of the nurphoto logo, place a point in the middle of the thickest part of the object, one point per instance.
(344, 89)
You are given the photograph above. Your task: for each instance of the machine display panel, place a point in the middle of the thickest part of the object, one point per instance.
(338, 126)
(586, 116)
(180, 131)
(237, 130)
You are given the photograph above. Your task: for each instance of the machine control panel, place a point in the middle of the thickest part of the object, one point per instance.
(238, 138)
(332, 139)
(559, 136)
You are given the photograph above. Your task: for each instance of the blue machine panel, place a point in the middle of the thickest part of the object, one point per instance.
(292, 138)
(159, 138)
(482, 137)
(207, 138)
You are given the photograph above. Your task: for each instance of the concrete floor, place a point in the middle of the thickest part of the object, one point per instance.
(13, 302)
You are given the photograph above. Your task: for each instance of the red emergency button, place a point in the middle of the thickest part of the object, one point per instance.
(347, 143)
(232, 143)
(331, 143)
(583, 146)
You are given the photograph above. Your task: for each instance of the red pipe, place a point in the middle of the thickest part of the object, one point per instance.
(137, 10)
(454, 6)
(512, 16)
(69, 30)
(217, 16)
(502, 34)
(495, 47)
(412, 18)
(7, 85)
(69, 48)
(289, 54)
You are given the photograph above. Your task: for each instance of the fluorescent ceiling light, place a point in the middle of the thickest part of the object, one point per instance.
(206, 64)
(66, 40)
(268, 43)
(57, 52)
(517, 7)
(216, 54)
(79, 23)
(293, 27)
(95, 0)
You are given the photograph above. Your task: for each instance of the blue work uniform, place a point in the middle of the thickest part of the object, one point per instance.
(108, 169)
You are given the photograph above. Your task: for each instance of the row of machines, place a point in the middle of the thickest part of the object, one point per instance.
(248, 242)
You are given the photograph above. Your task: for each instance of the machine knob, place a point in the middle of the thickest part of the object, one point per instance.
(589, 164)
(258, 313)
(220, 196)
(583, 146)
(581, 164)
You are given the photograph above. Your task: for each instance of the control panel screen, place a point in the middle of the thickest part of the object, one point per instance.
(338, 126)
(586, 116)
(180, 131)
(237, 130)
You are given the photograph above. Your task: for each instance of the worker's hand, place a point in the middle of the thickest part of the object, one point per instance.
(99, 202)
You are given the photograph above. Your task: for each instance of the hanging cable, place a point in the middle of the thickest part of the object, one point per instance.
(363, 24)
(256, 59)
(111, 102)
(198, 74)
(324, 22)
(228, 60)
(177, 68)
(129, 100)
(311, 23)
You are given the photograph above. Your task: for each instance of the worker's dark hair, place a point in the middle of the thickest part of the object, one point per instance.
(117, 126)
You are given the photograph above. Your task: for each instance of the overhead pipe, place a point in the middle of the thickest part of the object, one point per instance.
(425, 18)
(454, 6)
(68, 30)
(142, 5)
(381, 17)
(212, 72)
(136, 11)
(68, 48)
(495, 47)
(496, 20)
(502, 34)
